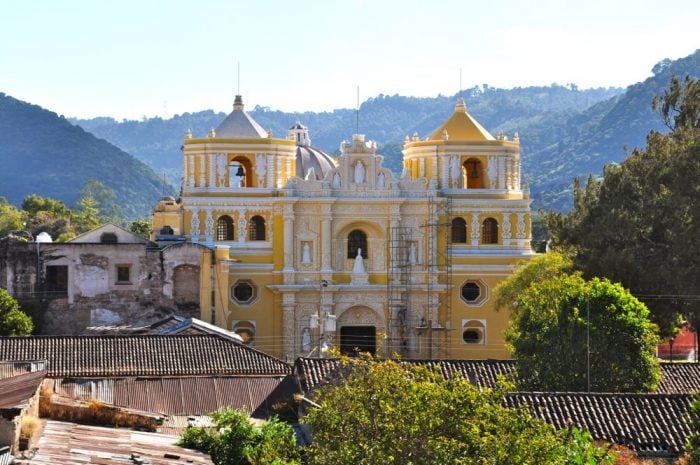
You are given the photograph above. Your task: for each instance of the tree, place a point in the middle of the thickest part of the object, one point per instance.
(234, 440)
(10, 217)
(96, 206)
(44, 214)
(142, 227)
(540, 268)
(13, 321)
(383, 412)
(639, 224)
(692, 446)
(569, 334)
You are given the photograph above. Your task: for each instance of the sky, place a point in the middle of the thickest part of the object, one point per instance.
(144, 58)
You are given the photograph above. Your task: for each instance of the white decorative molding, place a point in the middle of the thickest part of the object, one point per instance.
(520, 228)
(194, 224)
(475, 229)
(506, 229)
(260, 168)
(493, 172)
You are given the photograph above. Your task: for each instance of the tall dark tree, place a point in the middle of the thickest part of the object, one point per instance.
(640, 223)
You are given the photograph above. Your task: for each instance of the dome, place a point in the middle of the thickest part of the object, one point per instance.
(239, 124)
(310, 157)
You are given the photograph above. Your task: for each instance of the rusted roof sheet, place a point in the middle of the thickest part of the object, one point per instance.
(649, 424)
(16, 391)
(676, 378)
(68, 443)
(198, 395)
(141, 355)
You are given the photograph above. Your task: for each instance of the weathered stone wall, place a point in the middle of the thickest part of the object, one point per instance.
(161, 282)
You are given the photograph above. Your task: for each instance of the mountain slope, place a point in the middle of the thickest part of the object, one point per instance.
(42, 153)
(607, 132)
(385, 119)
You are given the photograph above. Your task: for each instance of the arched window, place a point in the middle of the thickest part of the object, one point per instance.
(240, 173)
(489, 231)
(256, 228)
(167, 230)
(357, 240)
(474, 174)
(474, 331)
(224, 228)
(459, 231)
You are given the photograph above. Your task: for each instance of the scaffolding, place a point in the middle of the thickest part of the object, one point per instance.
(413, 331)
(439, 277)
(398, 290)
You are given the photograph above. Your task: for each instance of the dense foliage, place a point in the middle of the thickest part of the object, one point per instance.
(640, 223)
(96, 206)
(566, 332)
(13, 321)
(383, 412)
(234, 440)
(42, 153)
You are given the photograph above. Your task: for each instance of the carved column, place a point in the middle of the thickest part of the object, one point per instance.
(242, 225)
(212, 169)
(476, 229)
(209, 227)
(288, 216)
(502, 172)
(506, 229)
(190, 171)
(194, 225)
(202, 171)
(326, 239)
(289, 324)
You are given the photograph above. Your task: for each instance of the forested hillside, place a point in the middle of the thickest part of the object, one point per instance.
(385, 119)
(565, 131)
(42, 153)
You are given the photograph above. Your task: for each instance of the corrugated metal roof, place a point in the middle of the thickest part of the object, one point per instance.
(68, 443)
(16, 391)
(141, 355)
(198, 395)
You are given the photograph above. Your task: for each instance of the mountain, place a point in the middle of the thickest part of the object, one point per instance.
(385, 119)
(43, 153)
(565, 132)
(604, 133)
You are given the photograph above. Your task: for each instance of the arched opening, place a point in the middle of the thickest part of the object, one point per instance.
(459, 231)
(224, 228)
(240, 173)
(474, 175)
(245, 329)
(489, 231)
(355, 340)
(357, 239)
(256, 228)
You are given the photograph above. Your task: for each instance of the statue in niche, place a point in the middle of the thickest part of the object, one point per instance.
(306, 340)
(336, 181)
(359, 266)
(412, 258)
(381, 181)
(359, 172)
(306, 253)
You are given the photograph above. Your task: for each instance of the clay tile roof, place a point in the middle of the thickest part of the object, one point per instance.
(676, 378)
(649, 424)
(141, 355)
(679, 378)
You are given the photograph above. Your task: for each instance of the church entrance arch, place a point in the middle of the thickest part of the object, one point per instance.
(358, 331)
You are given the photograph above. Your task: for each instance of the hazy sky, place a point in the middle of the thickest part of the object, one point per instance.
(129, 59)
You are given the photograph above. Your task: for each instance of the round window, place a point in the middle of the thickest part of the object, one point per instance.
(244, 292)
(471, 291)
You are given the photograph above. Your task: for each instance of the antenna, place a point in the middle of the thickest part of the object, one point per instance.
(162, 184)
(357, 112)
(238, 90)
(460, 82)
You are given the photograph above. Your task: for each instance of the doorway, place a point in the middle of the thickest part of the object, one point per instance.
(356, 339)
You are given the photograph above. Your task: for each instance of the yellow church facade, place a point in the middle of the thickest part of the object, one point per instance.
(314, 251)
